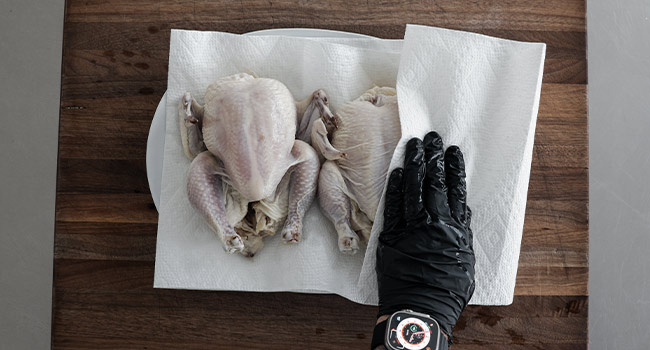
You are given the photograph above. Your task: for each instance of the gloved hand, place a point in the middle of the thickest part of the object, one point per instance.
(425, 255)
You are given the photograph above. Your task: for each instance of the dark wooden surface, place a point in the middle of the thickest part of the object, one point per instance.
(114, 74)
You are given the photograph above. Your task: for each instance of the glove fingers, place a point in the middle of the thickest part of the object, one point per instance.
(456, 184)
(435, 188)
(412, 178)
(470, 234)
(394, 199)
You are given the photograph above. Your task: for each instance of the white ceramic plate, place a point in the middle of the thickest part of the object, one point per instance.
(156, 139)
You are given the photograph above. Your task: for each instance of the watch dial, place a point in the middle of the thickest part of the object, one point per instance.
(413, 333)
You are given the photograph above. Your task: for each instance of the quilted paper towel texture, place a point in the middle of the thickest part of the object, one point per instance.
(447, 74)
(481, 93)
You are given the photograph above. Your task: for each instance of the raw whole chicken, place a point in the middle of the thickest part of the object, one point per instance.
(249, 174)
(358, 154)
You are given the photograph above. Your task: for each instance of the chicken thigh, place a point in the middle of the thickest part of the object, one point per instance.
(249, 174)
(358, 155)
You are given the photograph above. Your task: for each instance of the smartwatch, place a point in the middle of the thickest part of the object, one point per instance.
(409, 330)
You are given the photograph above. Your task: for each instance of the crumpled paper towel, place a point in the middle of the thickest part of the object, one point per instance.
(479, 92)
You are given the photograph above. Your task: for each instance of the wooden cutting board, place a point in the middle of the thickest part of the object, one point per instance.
(115, 72)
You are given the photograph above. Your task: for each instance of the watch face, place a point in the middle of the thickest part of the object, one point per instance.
(411, 331)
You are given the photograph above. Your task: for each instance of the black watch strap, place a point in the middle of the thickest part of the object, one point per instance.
(444, 343)
(379, 334)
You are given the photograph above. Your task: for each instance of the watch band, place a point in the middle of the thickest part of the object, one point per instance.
(379, 334)
(444, 343)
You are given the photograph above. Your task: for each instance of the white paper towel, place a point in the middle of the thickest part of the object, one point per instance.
(482, 94)
(448, 79)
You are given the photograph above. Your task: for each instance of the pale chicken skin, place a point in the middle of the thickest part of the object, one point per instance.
(358, 155)
(249, 174)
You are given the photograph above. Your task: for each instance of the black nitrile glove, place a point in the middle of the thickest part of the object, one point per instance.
(425, 255)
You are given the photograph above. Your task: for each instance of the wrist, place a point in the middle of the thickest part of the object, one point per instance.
(382, 318)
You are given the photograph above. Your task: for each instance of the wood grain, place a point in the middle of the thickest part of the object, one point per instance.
(517, 14)
(115, 72)
(154, 319)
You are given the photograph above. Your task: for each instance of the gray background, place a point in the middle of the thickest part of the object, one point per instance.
(618, 44)
(31, 34)
(619, 126)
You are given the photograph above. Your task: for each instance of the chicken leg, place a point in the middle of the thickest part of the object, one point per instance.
(205, 192)
(302, 189)
(337, 206)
